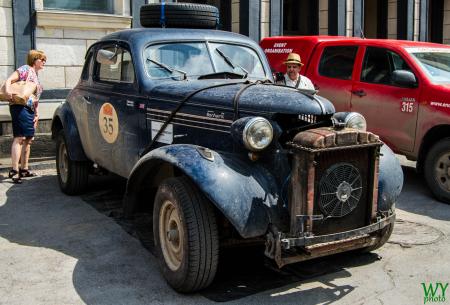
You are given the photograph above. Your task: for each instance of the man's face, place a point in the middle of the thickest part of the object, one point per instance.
(293, 70)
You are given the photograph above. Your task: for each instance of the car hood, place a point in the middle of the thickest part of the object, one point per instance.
(254, 97)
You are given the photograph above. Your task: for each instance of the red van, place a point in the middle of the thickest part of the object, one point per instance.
(401, 87)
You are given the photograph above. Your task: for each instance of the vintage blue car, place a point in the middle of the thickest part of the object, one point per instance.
(220, 154)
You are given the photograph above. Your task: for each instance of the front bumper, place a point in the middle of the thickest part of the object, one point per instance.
(287, 250)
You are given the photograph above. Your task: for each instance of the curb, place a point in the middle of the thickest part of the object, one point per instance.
(47, 164)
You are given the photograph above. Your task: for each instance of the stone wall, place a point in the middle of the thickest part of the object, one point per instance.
(235, 16)
(392, 19)
(65, 37)
(416, 20)
(265, 18)
(323, 17)
(446, 28)
(349, 23)
(6, 40)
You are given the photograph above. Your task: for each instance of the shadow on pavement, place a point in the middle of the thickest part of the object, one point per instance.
(417, 198)
(242, 271)
(112, 268)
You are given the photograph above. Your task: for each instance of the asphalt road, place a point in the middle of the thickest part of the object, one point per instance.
(56, 249)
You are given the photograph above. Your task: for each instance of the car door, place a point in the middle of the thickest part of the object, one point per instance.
(117, 110)
(331, 72)
(390, 109)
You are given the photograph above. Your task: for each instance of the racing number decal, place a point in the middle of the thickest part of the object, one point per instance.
(407, 104)
(108, 123)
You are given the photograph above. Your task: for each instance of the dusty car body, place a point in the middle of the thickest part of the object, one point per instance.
(219, 153)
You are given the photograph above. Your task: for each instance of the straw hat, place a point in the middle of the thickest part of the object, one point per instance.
(293, 58)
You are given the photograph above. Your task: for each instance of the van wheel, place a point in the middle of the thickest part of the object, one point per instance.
(72, 175)
(437, 170)
(180, 15)
(185, 234)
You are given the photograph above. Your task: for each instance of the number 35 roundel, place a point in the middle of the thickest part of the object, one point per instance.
(108, 123)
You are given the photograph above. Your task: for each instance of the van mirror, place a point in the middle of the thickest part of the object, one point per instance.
(404, 78)
(106, 57)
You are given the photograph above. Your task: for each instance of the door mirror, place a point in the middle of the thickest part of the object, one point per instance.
(404, 78)
(106, 57)
(278, 76)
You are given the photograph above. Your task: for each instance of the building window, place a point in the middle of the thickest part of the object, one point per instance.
(98, 6)
(301, 17)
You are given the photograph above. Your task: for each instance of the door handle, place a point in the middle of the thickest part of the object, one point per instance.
(359, 93)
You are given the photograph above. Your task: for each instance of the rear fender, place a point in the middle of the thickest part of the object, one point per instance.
(243, 191)
(64, 118)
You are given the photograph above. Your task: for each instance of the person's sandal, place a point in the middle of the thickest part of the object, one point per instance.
(15, 176)
(25, 173)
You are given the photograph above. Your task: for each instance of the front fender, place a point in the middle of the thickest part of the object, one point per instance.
(64, 115)
(243, 191)
(390, 181)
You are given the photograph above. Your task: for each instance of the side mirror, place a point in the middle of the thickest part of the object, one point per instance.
(404, 78)
(106, 57)
(278, 76)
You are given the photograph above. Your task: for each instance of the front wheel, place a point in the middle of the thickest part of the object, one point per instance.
(437, 170)
(185, 234)
(72, 175)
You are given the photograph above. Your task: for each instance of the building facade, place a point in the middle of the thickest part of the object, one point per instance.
(64, 29)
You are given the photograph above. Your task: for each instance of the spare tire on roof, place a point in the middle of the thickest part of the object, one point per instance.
(180, 15)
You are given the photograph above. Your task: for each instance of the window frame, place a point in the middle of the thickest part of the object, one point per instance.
(207, 42)
(391, 66)
(110, 8)
(96, 69)
(334, 46)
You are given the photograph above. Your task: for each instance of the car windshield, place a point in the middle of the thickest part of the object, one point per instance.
(435, 62)
(194, 59)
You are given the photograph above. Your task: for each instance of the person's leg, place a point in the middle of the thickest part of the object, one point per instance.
(26, 147)
(16, 149)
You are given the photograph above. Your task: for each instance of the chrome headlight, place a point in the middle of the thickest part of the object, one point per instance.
(350, 120)
(257, 134)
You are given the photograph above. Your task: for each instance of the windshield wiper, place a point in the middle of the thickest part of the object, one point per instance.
(231, 64)
(167, 68)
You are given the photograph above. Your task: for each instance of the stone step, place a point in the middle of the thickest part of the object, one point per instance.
(42, 146)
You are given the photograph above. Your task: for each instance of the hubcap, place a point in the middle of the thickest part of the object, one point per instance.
(63, 162)
(171, 235)
(442, 170)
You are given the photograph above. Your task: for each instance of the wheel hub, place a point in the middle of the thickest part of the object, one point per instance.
(63, 163)
(442, 170)
(171, 234)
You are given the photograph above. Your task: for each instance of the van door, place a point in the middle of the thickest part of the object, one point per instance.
(331, 72)
(390, 109)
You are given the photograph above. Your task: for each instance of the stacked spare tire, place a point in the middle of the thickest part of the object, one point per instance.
(180, 15)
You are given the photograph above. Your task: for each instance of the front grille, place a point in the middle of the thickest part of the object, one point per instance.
(334, 180)
(341, 190)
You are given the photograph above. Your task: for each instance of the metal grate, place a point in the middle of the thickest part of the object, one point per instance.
(340, 190)
(309, 118)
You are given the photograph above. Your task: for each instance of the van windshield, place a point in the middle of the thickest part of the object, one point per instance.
(435, 62)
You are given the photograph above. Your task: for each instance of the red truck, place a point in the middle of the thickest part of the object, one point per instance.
(401, 87)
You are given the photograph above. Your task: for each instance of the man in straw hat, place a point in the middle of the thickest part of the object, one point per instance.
(292, 78)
